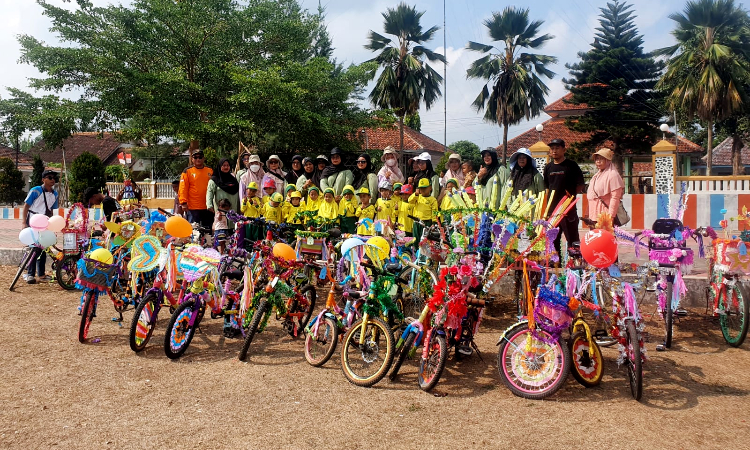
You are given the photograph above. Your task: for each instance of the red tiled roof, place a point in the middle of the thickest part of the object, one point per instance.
(24, 160)
(104, 147)
(380, 138)
(562, 104)
(722, 154)
(555, 128)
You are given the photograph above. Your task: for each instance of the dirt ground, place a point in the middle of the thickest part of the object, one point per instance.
(56, 392)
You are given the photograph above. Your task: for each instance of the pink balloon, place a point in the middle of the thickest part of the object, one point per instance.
(39, 222)
(56, 223)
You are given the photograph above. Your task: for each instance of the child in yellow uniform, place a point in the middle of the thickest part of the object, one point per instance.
(272, 210)
(425, 207)
(329, 209)
(447, 203)
(404, 208)
(294, 206)
(348, 210)
(365, 213)
(287, 199)
(312, 203)
(251, 205)
(385, 205)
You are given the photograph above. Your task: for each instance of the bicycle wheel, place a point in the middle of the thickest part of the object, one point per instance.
(402, 351)
(668, 315)
(413, 294)
(532, 371)
(367, 364)
(179, 332)
(309, 293)
(733, 320)
(253, 328)
(587, 365)
(143, 323)
(67, 271)
(320, 348)
(28, 253)
(431, 368)
(87, 314)
(634, 363)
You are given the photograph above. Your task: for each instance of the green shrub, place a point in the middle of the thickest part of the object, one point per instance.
(11, 182)
(86, 171)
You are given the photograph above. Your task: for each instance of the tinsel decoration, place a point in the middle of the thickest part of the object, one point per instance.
(551, 314)
(382, 301)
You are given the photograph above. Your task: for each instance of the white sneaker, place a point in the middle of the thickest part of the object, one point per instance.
(29, 279)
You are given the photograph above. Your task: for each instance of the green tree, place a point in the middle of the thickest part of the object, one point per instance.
(37, 171)
(616, 80)
(407, 79)
(468, 150)
(164, 68)
(17, 115)
(413, 121)
(514, 89)
(11, 182)
(87, 170)
(707, 68)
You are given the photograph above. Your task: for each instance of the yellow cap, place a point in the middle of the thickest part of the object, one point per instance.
(423, 183)
(253, 185)
(363, 190)
(295, 194)
(276, 197)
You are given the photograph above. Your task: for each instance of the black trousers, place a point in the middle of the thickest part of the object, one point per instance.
(569, 228)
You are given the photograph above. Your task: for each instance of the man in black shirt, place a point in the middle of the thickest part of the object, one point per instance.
(92, 197)
(564, 177)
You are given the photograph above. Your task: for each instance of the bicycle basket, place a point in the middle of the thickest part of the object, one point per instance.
(435, 251)
(552, 313)
(311, 246)
(95, 275)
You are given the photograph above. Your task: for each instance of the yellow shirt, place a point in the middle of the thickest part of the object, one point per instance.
(425, 208)
(348, 208)
(251, 207)
(329, 211)
(273, 214)
(312, 205)
(403, 210)
(387, 208)
(291, 211)
(366, 213)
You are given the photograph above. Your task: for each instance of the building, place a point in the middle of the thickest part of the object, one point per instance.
(414, 142)
(722, 159)
(103, 145)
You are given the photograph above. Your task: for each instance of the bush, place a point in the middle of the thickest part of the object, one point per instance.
(86, 171)
(11, 182)
(38, 170)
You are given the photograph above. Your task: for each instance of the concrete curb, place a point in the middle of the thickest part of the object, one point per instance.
(10, 256)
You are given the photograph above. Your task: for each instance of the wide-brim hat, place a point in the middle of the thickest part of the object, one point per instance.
(320, 158)
(385, 184)
(276, 157)
(254, 158)
(455, 156)
(269, 183)
(407, 189)
(519, 152)
(605, 153)
(388, 151)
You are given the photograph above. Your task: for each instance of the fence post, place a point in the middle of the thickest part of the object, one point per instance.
(152, 189)
(540, 153)
(664, 163)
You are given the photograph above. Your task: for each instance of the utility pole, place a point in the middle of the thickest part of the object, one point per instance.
(445, 85)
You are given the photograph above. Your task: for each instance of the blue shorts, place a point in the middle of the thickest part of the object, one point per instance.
(220, 235)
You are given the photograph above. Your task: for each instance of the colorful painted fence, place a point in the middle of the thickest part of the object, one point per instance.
(15, 213)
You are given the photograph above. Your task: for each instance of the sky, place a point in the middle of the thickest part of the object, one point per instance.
(572, 22)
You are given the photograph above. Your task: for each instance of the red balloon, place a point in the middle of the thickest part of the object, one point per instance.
(599, 248)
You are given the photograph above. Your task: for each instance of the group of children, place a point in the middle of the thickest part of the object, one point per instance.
(396, 205)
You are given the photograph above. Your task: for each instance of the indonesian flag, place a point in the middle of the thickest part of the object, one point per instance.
(124, 158)
(121, 157)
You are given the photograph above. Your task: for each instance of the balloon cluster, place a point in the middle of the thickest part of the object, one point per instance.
(41, 230)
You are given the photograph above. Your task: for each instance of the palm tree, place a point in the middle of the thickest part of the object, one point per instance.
(514, 88)
(406, 79)
(707, 66)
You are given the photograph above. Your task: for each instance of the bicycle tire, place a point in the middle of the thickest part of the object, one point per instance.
(87, 315)
(144, 322)
(668, 315)
(414, 306)
(587, 366)
(328, 336)
(67, 271)
(535, 379)
(402, 352)
(351, 342)
(726, 321)
(28, 253)
(437, 345)
(179, 333)
(634, 362)
(253, 328)
(308, 291)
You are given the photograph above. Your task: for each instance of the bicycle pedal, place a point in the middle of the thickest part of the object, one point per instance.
(465, 350)
(681, 313)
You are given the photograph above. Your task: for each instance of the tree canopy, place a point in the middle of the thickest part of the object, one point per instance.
(616, 80)
(186, 71)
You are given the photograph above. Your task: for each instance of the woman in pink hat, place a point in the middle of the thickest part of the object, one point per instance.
(606, 186)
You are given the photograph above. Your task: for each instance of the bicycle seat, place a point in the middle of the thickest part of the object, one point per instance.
(393, 267)
(666, 226)
(233, 274)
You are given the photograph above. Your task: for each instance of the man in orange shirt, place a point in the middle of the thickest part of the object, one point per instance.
(193, 187)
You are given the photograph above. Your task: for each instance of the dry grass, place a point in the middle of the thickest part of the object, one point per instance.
(56, 392)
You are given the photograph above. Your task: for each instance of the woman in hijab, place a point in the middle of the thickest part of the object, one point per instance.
(223, 185)
(274, 172)
(390, 171)
(606, 186)
(491, 180)
(305, 180)
(365, 177)
(243, 161)
(424, 165)
(254, 173)
(336, 175)
(293, 175)
(524, 174)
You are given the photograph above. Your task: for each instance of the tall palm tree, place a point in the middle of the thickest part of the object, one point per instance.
(708, 65)
(406, 79)
(514, 88)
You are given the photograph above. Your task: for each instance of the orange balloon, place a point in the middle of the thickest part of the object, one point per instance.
(178, 227)
(284, 251)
